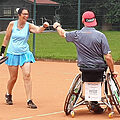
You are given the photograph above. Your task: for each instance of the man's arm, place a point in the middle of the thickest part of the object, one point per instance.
(110, 63)
(61, 31)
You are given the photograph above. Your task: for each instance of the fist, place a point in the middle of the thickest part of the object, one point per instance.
(55, 25)
(46, 24)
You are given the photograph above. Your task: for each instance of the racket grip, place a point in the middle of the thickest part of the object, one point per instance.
(2, 50)
(1, 56)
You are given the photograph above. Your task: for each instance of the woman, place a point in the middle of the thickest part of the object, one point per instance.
(18, 53)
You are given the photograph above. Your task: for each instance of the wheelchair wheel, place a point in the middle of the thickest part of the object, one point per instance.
(73, 94)
(114, 89)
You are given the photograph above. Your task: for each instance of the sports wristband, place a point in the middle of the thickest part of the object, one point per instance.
(3, 49)
(57, 26)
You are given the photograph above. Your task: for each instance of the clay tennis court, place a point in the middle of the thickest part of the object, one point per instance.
(51, 81)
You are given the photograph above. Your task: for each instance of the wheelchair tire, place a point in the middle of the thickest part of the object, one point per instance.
(114, 94)
(72, 95)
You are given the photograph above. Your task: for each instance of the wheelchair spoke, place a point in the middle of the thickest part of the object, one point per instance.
(73, 94)
(115, 92)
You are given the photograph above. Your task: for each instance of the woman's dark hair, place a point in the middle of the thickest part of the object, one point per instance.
(21, 9)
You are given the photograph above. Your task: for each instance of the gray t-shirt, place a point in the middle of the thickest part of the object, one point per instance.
(91, 45)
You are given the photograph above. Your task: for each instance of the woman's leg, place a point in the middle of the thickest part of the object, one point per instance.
(26, 69)
(13, 71)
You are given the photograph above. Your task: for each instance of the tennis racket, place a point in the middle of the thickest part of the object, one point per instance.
(3, 59)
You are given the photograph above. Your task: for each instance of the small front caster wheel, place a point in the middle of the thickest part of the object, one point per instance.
(72, 114)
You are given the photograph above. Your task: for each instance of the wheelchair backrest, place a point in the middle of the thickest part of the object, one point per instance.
(92, 74)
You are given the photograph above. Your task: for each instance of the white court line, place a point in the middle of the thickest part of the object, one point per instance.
(23, 118)
(42, 115)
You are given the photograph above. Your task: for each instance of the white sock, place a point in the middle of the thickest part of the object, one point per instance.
(8, 94)
(28, 100)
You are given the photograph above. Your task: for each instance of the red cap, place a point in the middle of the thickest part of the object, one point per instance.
(88, 19)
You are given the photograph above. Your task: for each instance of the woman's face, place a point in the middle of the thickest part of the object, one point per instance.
(24, 15)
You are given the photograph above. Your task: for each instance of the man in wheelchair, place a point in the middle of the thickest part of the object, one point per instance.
(93, 50)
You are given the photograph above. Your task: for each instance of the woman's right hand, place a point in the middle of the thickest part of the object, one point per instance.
(45, 24)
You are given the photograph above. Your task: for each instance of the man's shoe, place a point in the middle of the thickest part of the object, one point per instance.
(8, 99)
(95, 107)
(31, 104)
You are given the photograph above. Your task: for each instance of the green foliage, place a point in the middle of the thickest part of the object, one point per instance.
(111, 10)
(107, 10)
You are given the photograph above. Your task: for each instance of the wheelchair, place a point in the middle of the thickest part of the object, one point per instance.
(109, 98)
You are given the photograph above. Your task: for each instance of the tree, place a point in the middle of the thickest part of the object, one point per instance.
(107, 11)
(67, 12)
(111, 10)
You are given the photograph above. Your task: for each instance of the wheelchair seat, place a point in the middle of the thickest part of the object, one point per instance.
(90, 74)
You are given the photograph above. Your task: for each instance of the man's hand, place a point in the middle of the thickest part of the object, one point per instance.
(56, 24)
(114, 74)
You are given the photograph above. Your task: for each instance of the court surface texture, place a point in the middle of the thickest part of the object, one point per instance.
(51, 82)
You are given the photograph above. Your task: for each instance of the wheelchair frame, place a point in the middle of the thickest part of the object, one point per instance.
(111, 96)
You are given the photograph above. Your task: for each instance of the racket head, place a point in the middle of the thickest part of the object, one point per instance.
(3, 59)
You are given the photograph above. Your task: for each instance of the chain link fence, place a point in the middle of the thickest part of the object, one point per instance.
(67, 15)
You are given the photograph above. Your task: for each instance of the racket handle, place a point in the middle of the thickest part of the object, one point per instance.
(1, 57)
(2, 49)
